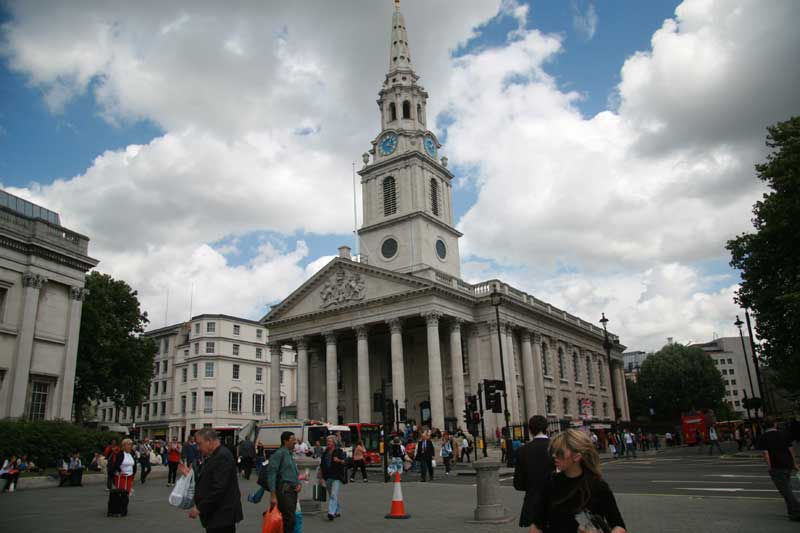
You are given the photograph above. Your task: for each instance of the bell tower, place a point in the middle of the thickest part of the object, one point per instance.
(407, 192)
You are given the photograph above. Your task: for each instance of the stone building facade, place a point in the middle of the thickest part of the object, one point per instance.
(42, 275)
(733, 363)
(213, 370)
(400, 314)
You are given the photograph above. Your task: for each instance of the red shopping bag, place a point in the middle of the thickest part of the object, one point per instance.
(273, 521)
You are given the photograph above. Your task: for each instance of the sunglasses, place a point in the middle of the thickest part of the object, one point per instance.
(559, 453)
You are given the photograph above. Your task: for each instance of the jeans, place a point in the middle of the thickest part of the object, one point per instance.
(464, 453)
(782, 478)
(146, 468)
(446, 464)
(334, 485)
(287, 505)
(711, 445)
(632, 449)
(362, 465)
(173, 472)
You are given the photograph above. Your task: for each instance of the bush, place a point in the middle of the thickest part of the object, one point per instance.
(45, 441)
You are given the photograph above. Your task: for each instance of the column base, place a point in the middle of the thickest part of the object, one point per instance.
(491, 514)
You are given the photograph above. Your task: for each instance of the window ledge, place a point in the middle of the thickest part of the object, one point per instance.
(562, 380)
(550, 378)
(579, 383)
(591, 385)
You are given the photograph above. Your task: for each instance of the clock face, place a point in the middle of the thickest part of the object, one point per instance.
(388, 143)
(389, 248)
(430, 146)
(441, 249)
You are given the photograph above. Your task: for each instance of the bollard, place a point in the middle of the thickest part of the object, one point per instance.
(489, 509)
(308, 466)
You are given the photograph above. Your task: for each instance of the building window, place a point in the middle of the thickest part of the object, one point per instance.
(235, 349)
(208, 401)
(259, 333)
(562, 369)
(235, 402)
(185, 354)
(39, 392)
(164, 366)
(736, 403)
(3, 298)
(258, 403)
(736, 393)
(209, 347)
(194, 370)
(196, 348)
(730, 372)
(163, 387)
(211, 327)
(166, 345)
(601, 375)
(235, 371)
(183, 404)
(565, 402)
(589, 374)
(184, 374)
(156, 368)
(435, 196)
(209, 370)
(197, 328)
(406, 109)
(155, 408)
(733, 382)
(419, 113)
(727, 382)
(236, 329)
(549, 404)
(392, 112)
(155, 389)
(259, 373)
(545, 356)
(389, 197)
(281, 377)
(577, 366)
(259, 353)
(163, 408)
(194, 402)
(605, 408)
(147, 412)
(730, 361)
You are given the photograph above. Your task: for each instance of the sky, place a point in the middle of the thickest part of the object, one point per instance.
(603, 151)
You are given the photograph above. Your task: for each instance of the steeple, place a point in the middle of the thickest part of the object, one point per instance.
(399, 52)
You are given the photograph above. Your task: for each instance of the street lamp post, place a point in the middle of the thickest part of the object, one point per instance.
(607, 346)
(762, 384)
(497, 299)
(739, 325)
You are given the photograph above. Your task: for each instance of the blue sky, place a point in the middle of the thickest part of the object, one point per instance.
(601, 134)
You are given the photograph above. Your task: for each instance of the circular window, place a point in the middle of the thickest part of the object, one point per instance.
(389, 248)
(441, 249)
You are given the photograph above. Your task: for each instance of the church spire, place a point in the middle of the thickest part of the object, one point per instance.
(399, 53)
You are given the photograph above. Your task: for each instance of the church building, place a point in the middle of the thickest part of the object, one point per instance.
(400, 314)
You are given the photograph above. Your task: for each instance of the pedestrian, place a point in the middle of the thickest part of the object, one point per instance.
(738, 436)
(173, 458)
(191, 453)
(123, 469)
(332, 470)
(576, 498)
(217, 500)
(397, 454)
(497, 435)
(630, 443)
(280, 477)
(424, 454)
(668, 439)
(318, 450)
(781, 462)
(359, 461)
(503, 446)
(534, 468)
(446, 452)
(10, 473)
(247, 454)
(713, 440)
(465, 448)
(110, 453)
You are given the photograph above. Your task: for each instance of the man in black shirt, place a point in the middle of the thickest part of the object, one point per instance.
(778, 452)
(534, 468)
(424, 454)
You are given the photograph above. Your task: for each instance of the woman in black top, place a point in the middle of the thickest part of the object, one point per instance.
(576, 499)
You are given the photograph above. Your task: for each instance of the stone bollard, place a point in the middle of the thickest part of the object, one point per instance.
(489, 509)
(308, 466)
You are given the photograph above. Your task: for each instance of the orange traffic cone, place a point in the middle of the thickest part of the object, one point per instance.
(398, 508)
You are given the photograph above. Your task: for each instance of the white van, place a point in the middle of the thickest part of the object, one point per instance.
(268, 434)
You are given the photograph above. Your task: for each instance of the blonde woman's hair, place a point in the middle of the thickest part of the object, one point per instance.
(576, 441)
(126, 441)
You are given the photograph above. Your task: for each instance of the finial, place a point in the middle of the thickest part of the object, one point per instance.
(397, 4)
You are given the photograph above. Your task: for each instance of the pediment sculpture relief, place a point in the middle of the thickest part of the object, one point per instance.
(344, 287)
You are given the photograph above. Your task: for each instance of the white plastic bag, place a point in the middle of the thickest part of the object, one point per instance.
(182, 495)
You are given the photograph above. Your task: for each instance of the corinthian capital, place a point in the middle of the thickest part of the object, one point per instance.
(432, 318)
(330, 337)
(34, 281)
(395, 325)
(79, 293)
(301, 343)
(362, 332)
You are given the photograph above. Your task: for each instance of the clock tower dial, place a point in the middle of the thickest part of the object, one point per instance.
(406, 192)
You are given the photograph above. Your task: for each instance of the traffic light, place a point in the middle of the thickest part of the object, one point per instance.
(492, 400)
(403, 414)
(472, 403)
(467, 418)
(389, 410)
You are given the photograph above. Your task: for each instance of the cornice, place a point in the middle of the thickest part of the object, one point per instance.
(401, 218)
(385, 164)
(76, 261)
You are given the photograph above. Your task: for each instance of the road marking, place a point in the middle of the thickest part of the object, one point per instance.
(728, 489)
(698, 496)
(696, 481)
(735, 476)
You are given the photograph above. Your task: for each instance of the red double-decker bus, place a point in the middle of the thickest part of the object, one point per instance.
(370, 434)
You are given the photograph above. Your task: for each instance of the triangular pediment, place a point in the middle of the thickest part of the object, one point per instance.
(344, 283)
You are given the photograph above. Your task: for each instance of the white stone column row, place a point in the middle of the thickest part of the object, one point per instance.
(457, 367)
(331, 378)
(274, 381)
(435, 382)
(362, 367)
(32, 284)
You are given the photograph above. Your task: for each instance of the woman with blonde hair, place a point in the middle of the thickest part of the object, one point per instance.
(124, 468)
(576, 497)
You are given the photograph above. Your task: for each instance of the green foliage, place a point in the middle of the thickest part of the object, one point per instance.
(114, 361)
(679, 379)
(769, 259)
(636, 400)
(44, 441)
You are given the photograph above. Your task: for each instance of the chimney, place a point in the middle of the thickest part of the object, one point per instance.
(344, 252)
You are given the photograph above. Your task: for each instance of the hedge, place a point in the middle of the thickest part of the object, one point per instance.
(45, 441)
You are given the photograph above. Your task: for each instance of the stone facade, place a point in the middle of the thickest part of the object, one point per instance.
(215, 370)
(42, 275)
(400, 315)
(733, 364)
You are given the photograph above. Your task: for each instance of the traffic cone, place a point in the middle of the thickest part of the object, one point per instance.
(398, 508)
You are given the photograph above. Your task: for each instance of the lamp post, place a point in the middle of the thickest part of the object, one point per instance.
(497, 299)
(762, 383)
(607, 346)
(739, 325)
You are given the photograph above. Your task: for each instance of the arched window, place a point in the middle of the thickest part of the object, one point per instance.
(406, 109)
(419, 113)
(562, 370)
(389, 197)
(435, 196)
(545, 356)
(576, 365)
(589, 373)
(392, 112)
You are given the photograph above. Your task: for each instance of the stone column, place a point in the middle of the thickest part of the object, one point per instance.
(331, 379)
(536, 345)
(364, 407)
(457, 367)
(32, 283)
(398, 370)
(624, 407)
(617, 393)
(275, 381)
(528, 378)
(474, 350)
(302, 377)
(67, 382)
(499, 418)
(435, 385)
(511, 372)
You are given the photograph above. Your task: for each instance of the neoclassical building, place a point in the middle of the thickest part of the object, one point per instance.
(400, 315)
(42, 275)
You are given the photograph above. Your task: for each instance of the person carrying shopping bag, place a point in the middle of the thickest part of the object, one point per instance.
(282, 480)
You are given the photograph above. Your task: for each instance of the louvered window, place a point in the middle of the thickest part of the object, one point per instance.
(389, 197)
(435, 197)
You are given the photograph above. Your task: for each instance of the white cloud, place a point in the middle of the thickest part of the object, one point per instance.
(584, 20)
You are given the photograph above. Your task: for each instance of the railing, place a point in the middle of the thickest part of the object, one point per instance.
(45, 231)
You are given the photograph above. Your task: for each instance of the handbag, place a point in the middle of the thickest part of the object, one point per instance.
(589, 521)
(273, 521)
(182, 495)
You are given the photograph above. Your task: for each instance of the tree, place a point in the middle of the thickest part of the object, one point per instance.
(769, 259)
(114, 361)
(636, 402)
(678, 379)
